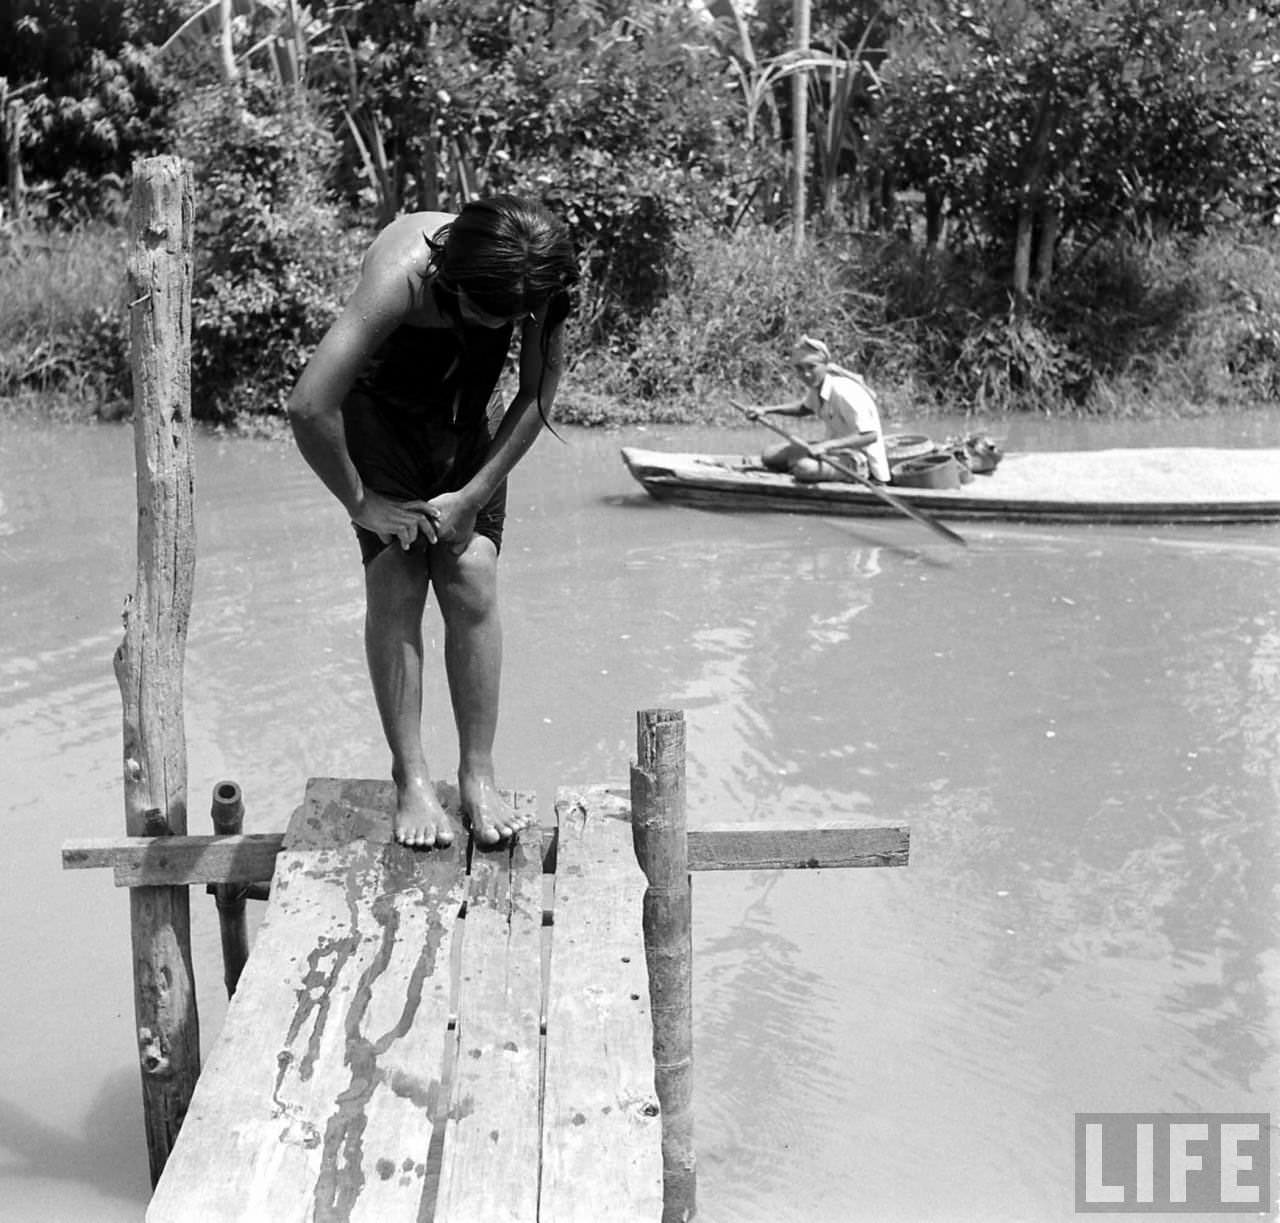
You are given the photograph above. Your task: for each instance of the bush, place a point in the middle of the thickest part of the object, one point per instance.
(272, 259)
(728, 324)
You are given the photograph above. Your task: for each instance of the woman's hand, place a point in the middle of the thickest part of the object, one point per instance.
(397, 521)
(454, 517)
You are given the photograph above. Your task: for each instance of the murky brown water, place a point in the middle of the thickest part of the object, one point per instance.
(1080, 724)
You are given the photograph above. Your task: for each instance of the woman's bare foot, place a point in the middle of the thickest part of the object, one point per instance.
(492, 819)
(420, 821)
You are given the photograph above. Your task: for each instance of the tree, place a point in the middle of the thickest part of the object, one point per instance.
(1037, 120)
(87, 94)
(620, 112)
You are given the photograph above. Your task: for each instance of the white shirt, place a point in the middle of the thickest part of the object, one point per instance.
(845, 406)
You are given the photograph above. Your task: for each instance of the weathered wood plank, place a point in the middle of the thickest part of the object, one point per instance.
(150, 861)
(601, 1143)
(320, 1096)
(745, 847)
(489, 1167)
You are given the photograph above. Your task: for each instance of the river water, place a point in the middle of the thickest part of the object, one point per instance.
(1078, 723)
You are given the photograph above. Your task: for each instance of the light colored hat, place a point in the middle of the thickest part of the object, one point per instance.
(806, 348)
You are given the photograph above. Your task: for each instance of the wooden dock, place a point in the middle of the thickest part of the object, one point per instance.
(402, 1046)
(454, 1035)
(449, 1035)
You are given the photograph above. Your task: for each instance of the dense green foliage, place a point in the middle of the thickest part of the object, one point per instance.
(272, 259)
(1061, 120)
(620, 114)
(83, 96)
(1014, 203)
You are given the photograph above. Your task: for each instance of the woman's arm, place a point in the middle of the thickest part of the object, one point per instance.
(520, 425)
(380, 302)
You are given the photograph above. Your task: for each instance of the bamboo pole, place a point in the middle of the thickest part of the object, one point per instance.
(148, 663)
(228, 820)
(659, 826)
(799, 126)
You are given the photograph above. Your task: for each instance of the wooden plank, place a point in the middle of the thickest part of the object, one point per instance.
(745, 847)
(489, 1166)
(321, 1093)
(601, 1142)
(150, 861)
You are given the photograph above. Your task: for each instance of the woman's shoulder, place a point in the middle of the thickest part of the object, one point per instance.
(413, 228)
(399, 258)
(403, 241)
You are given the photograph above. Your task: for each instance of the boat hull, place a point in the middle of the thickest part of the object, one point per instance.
(1156, 485)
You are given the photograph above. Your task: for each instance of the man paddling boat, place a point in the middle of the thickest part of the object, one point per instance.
(845, 405)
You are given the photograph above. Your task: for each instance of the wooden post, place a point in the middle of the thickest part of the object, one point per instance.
(228, 820)
(658, 826)
(148, 663)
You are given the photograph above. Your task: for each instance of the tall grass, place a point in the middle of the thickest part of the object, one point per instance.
(1166, 328)
(63, 318)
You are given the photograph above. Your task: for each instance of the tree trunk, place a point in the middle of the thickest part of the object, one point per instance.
(1022, 253)
(1035, 164)
(1050, 223)
(934, 222)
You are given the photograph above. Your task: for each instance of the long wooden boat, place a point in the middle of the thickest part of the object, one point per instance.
(1156, 485)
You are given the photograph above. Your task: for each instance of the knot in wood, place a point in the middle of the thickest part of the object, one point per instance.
(152, 1054)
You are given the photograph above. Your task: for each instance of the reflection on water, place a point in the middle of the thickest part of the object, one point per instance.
(1079, 725)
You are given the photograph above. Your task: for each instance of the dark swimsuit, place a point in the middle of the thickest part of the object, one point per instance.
(417, 420)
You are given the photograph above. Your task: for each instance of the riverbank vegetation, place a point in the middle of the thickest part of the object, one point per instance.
(1009, 205)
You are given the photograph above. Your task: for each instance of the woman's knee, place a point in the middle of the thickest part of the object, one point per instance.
(467, 583)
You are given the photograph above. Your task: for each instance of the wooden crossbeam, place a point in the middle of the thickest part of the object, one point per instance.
(250, 858)
(755, 847)
(166, 861)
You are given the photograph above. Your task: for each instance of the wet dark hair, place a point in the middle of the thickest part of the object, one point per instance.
(511, 256)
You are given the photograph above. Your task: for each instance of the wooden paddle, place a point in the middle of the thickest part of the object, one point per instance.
(844, 469)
